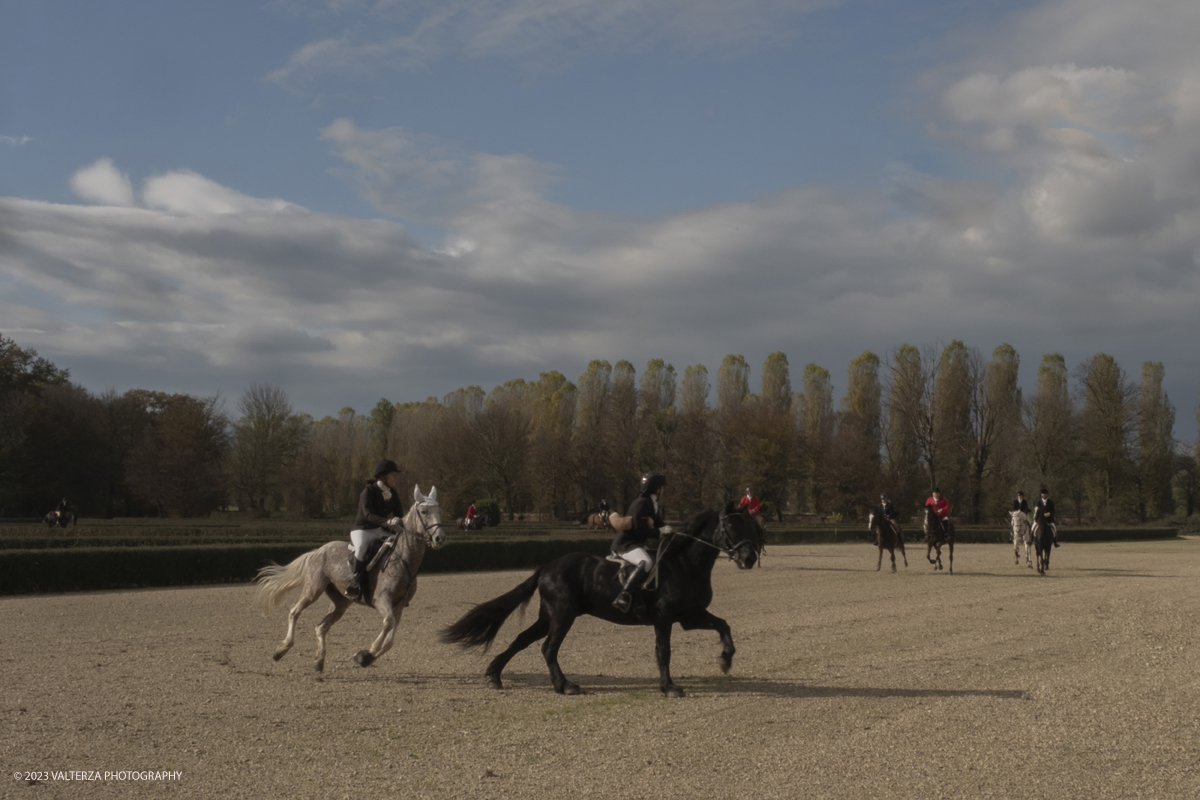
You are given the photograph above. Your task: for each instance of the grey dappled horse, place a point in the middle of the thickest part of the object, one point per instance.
(326, 570)
(1022, 532)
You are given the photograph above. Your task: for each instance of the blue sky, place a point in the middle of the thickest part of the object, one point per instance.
(359, 199)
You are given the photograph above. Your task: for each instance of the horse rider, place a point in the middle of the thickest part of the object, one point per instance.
(1044, 513)
(1019, 504)
(471, 515)
(941, 507)
(887, 512)
(750, 502)
(643, 521)
(378, 508)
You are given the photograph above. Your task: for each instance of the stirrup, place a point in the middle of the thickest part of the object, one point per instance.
(623, 602)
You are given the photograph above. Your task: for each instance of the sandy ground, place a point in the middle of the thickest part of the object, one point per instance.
(848, 683)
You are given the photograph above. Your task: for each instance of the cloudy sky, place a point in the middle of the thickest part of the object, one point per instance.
(356, 199)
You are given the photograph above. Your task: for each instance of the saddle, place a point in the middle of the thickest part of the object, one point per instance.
(651, 581)
(372, 551)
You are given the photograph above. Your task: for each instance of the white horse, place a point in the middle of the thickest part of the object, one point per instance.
(326, 570)
(1022, 532)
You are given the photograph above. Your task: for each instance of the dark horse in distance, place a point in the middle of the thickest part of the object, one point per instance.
(887, 536)
(578, 584)
(938, 533)
(1043, 540)
(60, 518)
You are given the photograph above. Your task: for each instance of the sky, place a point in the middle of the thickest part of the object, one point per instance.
(365, 199)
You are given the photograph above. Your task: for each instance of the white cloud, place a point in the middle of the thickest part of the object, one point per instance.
(16, 141)
(186, 192)
(538, 35)
(103, 183)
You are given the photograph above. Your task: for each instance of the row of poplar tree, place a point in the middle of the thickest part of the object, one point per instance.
(920, 418)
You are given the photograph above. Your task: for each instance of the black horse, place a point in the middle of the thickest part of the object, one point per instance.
(578, 584)
(60, 518)
(887, 535)
(938, 533)
(1043, 541)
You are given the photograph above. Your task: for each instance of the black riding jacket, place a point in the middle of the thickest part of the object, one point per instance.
(1020, 505)
(373, 510)
(886, 511)
(646, 522)
(1044, 511)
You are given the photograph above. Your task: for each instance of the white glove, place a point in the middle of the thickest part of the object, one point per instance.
(394, 523)
(665, 529)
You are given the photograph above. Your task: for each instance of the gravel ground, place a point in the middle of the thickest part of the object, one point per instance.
(848, 683)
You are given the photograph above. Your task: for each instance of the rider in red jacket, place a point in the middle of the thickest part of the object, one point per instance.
(941, 506)
(750, 502)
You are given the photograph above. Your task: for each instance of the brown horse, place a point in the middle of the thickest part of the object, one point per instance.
(938, 533)
(598, 522)
(887, 535)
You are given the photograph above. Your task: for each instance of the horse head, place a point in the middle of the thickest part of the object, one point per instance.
(426, 517)
(738, 535)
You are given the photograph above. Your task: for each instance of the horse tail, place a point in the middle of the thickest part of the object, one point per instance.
(479, 626)
(274, 581)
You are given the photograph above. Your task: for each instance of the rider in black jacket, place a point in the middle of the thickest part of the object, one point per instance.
(645, 520)
(378, 511)
(1044, 513)
(1019, 504)
(886, 511)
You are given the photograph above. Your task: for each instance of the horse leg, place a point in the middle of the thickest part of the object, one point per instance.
(951, 555)
(383, 642)
(307, 597)
(662, 652)
(340, 604)
(879, 563)
(893, 552)
(525, 638)
(559, 627)
(703, 620)
(902, 553)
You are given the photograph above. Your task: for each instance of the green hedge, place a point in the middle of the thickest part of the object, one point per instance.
(90, 568)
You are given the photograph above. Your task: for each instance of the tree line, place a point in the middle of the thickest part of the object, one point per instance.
(919, 417)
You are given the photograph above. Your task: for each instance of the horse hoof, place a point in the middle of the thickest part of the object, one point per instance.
(363, 658)
(319, 666)
(673, 691)
(725, 664)
(494, 683)
(571, 688)
(276, 656)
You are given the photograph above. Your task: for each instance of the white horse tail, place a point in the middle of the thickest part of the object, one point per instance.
(274, 581)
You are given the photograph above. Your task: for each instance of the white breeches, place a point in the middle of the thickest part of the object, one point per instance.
(360, 540)
(638, 557)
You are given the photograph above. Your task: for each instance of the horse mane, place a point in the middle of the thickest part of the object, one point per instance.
(696, 522)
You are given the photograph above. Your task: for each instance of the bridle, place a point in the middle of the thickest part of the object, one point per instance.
(722, 527)
(427, 531)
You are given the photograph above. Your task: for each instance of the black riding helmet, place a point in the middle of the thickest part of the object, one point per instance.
(652, 482)
(384, 467)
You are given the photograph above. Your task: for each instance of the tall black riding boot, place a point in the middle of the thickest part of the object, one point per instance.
(358, 583)
(624, 599)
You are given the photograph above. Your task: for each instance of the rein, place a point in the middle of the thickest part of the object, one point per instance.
(720, 526)
(389, 546)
